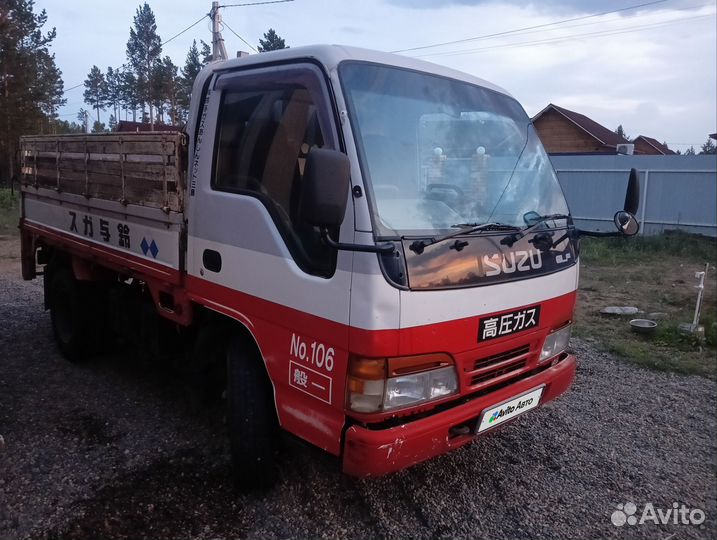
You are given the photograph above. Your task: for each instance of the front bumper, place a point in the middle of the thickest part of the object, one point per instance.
(373, 452)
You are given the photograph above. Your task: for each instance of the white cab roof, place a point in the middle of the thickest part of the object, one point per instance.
(331, 55)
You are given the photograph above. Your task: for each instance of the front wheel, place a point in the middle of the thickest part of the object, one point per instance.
(251, 418)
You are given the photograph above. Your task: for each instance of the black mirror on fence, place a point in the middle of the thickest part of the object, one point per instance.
(625, 220)
(632, 197)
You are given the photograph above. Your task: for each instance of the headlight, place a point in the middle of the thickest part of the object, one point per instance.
(385, 384)
(409, 389)
(555, 343)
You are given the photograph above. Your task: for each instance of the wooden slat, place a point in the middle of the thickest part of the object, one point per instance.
(47, 178)
(104, 138)
(156, 148)
(137, 158)
(136, 192)
(152, 172)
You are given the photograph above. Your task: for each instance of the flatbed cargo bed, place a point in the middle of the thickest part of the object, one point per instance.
(144, 169)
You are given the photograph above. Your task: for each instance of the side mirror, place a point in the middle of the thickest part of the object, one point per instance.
(325, 188)
(626, 223)
(632, 197)
(625, 220)
(531, 218)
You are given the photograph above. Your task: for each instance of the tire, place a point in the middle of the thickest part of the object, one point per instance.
(76, 316)
(205, 369)
(251, 418)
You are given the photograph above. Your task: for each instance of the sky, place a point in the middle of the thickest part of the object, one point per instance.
(652, 69)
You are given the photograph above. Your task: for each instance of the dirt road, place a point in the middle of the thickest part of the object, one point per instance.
(117, 450)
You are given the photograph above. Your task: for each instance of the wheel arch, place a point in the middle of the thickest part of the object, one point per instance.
(236, 326)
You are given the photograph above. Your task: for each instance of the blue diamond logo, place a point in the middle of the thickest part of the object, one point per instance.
(149, 248)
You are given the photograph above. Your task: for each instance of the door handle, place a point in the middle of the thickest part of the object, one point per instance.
(212, 260)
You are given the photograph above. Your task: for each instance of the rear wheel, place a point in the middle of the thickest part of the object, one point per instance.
(251, 418)
(76, 315)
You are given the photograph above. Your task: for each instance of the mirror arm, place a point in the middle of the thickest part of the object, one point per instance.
(387, 247)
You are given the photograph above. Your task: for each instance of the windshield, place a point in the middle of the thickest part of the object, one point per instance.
(438, 153)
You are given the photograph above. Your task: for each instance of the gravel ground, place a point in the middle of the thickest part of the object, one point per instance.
(116, 450)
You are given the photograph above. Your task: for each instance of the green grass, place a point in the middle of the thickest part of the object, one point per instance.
(9, 211)
(643, 355)
(655, 274)
(667, 350)
(709, 321)
(621, 250)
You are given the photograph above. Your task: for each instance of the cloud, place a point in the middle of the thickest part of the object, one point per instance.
(351, 30)
(569, 7)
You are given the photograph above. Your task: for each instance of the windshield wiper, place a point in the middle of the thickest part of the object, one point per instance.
(538, 220)
(417, 246)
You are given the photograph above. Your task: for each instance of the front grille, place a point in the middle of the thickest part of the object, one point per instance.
(499, 365)
(501, 357)
(495, 373)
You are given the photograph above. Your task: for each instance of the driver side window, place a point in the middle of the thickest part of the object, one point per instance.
(264, 137)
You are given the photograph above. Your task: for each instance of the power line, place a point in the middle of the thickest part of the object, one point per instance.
(593, 23)
(72, 87)
(237, 35)
(485, 36)
(187, 28)
(270, 2)
(638, 28)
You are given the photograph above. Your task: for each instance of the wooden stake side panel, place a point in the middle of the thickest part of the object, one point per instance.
(142, 169)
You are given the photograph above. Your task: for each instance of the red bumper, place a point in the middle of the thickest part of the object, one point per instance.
(375, 452)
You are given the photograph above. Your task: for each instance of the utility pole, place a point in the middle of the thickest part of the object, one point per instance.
(218, 50)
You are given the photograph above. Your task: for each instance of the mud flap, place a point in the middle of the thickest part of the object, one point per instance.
(27, 255)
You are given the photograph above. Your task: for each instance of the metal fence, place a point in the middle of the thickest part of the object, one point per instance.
(676, 192)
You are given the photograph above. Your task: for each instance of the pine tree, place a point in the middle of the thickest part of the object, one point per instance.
(31, 87)
(708, 147)
(129, 94)
(143, 50)
(192, 67)
(52, 96)
(271, 42)
(166, 89)
(621, 133)
(84, 118)
(113, 78)
(96, 90)
(690, 151)
(206, 53)
(63, 126)
(193, 64)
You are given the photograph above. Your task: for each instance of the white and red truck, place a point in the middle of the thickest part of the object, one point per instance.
(368, 251)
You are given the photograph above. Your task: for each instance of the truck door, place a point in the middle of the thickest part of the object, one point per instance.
(249, 254)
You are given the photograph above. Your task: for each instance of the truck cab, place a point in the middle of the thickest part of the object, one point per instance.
(385, 357)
